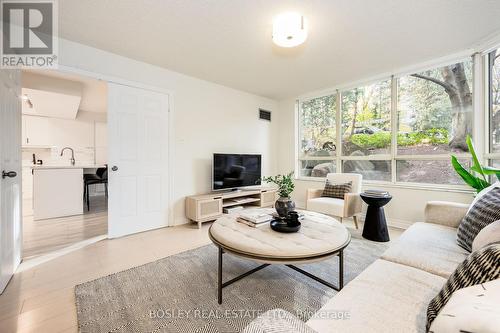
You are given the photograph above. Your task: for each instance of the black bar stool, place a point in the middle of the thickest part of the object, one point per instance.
(100, 177)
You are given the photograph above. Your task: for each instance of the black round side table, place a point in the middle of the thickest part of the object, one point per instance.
(375, 227)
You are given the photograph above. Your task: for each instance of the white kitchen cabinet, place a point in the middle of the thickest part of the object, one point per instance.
(71, 133)
(44, 131)
(36, 131)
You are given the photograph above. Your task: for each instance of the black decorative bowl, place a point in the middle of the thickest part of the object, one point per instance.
(283, 226)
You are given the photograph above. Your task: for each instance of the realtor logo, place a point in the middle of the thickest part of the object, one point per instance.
(29, 36)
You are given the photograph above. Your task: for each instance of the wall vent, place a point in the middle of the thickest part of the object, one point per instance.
(264, 114)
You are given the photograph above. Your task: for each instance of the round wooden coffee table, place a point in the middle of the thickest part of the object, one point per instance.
(319, 238)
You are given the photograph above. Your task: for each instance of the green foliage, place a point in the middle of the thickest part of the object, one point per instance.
(369, 105)
(317, 122)
(476, 177)
(433, 136)
(382, 139)
(284, 182)
(376, 140)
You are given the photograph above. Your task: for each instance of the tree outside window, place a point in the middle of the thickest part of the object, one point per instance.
(435, 110)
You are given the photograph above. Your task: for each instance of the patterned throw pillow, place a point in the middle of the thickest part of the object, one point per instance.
(336, 190)
(485, 211)
(479, 267)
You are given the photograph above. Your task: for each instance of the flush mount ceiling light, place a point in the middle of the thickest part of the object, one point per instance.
(289, 29)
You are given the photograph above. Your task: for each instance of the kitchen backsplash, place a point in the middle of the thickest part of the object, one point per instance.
(52, 156)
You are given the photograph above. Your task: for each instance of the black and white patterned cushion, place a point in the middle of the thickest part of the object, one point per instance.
(479, 267)
(336, 190)
(484, 211)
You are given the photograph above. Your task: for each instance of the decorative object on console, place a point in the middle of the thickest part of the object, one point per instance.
(480, 182)
(336, 190)
(479, 267)
(483, 212)
(284, 204)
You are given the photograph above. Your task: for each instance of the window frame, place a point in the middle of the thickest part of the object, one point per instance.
(479, 123)
(489, 156)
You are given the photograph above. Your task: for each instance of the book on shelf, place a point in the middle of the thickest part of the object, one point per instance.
(233, 209)
(252, 224)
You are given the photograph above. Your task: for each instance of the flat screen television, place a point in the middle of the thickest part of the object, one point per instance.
(233, 171)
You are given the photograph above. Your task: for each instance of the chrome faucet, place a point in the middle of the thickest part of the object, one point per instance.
(72, 154)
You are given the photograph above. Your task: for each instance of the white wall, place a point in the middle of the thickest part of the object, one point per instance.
(207, 117)
(407, 205)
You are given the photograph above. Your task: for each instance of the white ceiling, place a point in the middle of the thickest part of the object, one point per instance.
(229, 41)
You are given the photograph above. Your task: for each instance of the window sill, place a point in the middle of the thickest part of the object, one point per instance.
(412, 186)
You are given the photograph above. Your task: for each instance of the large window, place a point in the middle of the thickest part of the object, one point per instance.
(318, 140)
(435, 110)
(434, 118)
(366, 130)
(400, 129)
(366, 120)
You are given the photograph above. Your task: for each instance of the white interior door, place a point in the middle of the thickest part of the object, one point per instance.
(10, 179)
(138, 160)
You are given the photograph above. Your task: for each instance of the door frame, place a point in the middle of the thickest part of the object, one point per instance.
(170, 117)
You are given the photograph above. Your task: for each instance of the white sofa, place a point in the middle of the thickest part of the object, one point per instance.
(351, 205)
(393, 293)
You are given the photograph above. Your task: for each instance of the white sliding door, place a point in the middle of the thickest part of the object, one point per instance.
(10, 178)
(138, 160)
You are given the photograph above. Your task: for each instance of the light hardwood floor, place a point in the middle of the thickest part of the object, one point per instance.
(43, 236)
(41, 299)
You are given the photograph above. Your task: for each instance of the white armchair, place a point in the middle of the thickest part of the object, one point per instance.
(349, 206)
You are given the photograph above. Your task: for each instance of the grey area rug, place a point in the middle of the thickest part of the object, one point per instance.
(178, 293)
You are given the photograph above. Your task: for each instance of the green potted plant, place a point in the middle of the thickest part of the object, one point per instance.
(284, 204)
(476, 177)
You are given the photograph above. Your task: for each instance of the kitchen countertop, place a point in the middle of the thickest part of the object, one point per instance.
(82, 166)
